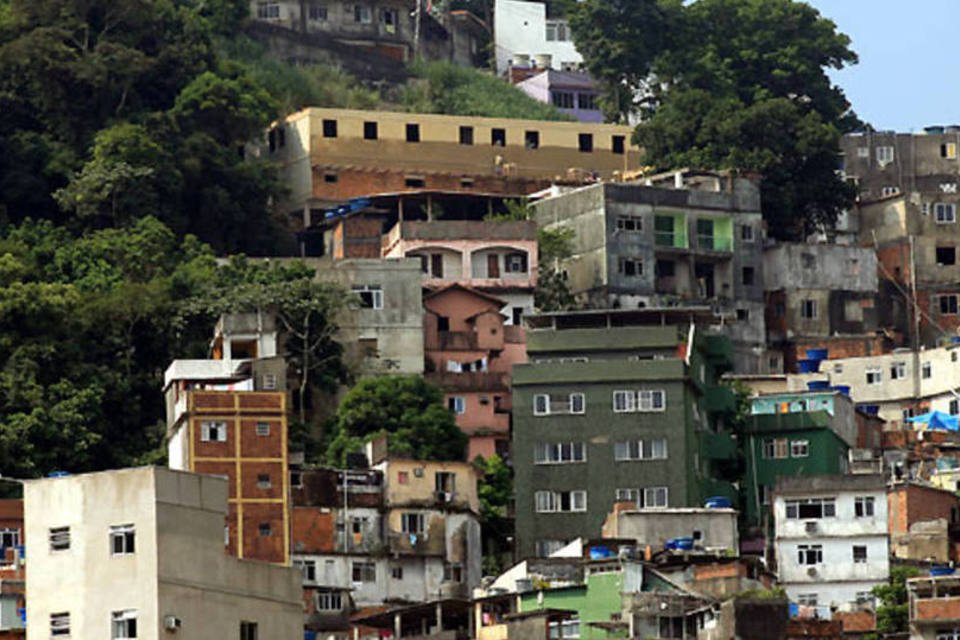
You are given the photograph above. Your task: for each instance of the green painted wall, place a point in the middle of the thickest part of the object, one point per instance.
(595, 602)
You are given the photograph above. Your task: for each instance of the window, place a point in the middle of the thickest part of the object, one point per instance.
(743, 315)
(264, 530)
(775, 448)
(388, 18)
(124, 624)
(436, 265)
(9, 538)
(628, 495)
(60, 624)
(807, 599)
(859, 554)
(863, 507)
(329, 128)
(948, 150)
(362, 14)
(954, 407)
(746, 233)
(587, 101)
(874, 375)
(629, 223)
(585, 142)
(799, 449)
(249, 631)
(560, 501)
(329, 601)
(898, 370)
(263, 481)
(412, 522)
(445, 481)
(946, 256)
(122, 540)
(269, 381)
(268, 10)
(457, 404)
(317, 13)
(808, 309)
(811, 508)
(531, 139)
(810, 554)
(577, 403)
(330, 177)
(624, 401)
(403, 477)
(413, 133)
(452, 572)
(59, 538)
(556, 32)
(308, 568)
(498, 137)
(364, 572)
(516, 263)
(618, 144)
(414, 182)
(889, 191)
(655, 449)
(541, 405)
(651, 400)
(808, 260)
(213, 431)
(948, 304)
(263, 429)
(396, 572)
(884, 155)
(559, 452)
(371, 295)
(945, 213)
(655, 497)
(630, 267)
(926, 370)
(748, 276)
(370, 131)
(466, 135)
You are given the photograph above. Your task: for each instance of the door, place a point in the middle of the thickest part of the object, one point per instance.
(436, 265)
(493, 266)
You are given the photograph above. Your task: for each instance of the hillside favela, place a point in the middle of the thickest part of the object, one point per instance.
(479, 320)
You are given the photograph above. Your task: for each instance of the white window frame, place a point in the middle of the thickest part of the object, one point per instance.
(945, 212)
(362, 14)
(799, 448)
(807, 599)
(809, 309)
(885, 154)
(747, 233)
(538, 409)
(10, 535)
(866, 505)
(263, 429)
(308, 569)
(873, 375)
(376, 294)
(60, 624)
(629, 224)
(457, 404)
(629, 404)
(552, 501)
(898, 370)
(628, 495)
(213, 431)
(649, 400)
(559, 452)
(806, 552)
(416, 517)
(268, 10)
(863, 152)
(328, 601)
(124, 536)
(120, 624)
(637, 267)
(826, 505)
(654, 495)
(365, 572)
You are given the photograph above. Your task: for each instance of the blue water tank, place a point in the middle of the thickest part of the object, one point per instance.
(679, 544)
(842, 388)
(808, 366)
(601, 553)
(58, 474)
(309, 635)
(818, 385)
(718, 502)
(941, 570)
(817, 354)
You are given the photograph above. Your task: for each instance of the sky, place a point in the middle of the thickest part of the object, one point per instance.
(907, 75)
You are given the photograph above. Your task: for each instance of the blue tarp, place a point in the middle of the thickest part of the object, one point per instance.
(937, 420)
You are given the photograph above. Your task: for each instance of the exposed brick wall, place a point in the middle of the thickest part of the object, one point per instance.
(909, 503)
(313, 530)
(267, 548)
(938, 609)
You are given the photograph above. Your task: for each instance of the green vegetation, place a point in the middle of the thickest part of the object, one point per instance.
(405, 408)
(893, 613)
(495, 491)
(730, 84)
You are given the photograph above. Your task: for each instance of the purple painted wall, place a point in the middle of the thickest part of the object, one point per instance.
(572, 90)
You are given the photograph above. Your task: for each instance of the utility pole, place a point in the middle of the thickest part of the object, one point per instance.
(416, 30)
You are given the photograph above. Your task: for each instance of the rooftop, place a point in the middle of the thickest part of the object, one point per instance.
(819, 484)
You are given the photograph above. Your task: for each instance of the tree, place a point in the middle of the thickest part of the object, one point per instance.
(407, 410)
(495, 491)
(731, 84)
(893, 613)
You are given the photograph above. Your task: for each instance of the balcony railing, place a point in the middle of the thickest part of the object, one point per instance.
(714, 243)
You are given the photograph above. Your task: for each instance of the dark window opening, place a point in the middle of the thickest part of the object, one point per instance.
(466, 135)
(329, 128)
(498, 137)
(370, 131)
(946, 255)
(443, 323)
(413, 133)
(532, 139)
(748, 276)
(330, 177)
(415, 183)
(586, 142)
(281, 137)
(272, 140)
(743, 315)
(618, 144)
(436, 265)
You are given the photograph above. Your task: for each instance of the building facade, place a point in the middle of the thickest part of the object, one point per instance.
(573, 93)
(606, 415)
(832, 544)
(524, 34)
(138, 553)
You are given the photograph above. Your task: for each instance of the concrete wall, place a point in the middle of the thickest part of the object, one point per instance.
(420, 486)
(520, 27)
(820, 266)
(717, 527)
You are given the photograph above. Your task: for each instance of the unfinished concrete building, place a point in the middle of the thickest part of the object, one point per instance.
(679, 240)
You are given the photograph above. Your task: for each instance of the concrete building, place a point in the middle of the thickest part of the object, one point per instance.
(138, 553)
(821, 296)
(924, 522)
(330, 156)
(934, 607)
(832, 544)
(470, 350)
(12, 571)
(523, 34)
(796, 434)
(604, 415)
(241, 435)
(403, 531)
(712, 530)
(385, 27)
(573, 93)
(639, 245)
(499, 258)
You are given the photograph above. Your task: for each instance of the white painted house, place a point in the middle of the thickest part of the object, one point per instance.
(524, 36)
(832, 541)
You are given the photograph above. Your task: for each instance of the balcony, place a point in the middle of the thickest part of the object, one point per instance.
(937, 610)
(479, 381)
(714, 243)
(718, 446)
(720, 399)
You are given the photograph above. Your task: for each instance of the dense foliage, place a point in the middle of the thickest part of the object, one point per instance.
(893, 613)
(730, 84)
(407, 410)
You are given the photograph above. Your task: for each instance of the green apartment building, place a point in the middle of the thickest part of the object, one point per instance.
(793, 434)
(617, 406)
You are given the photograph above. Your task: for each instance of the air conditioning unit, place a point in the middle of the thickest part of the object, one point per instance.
(812, 526)
(172, 623)
(812, 572)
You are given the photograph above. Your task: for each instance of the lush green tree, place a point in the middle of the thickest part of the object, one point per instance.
(731, 84)
(495, 490)
(893, 612)
(407, 410)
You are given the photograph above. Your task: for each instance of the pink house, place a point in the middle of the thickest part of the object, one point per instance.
(493, 257)
(470, 349)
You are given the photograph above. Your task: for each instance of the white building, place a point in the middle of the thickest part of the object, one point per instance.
(832, 542)
(523, 36)
(139, 553)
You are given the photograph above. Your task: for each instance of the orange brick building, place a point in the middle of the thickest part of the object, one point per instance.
(241, 435)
